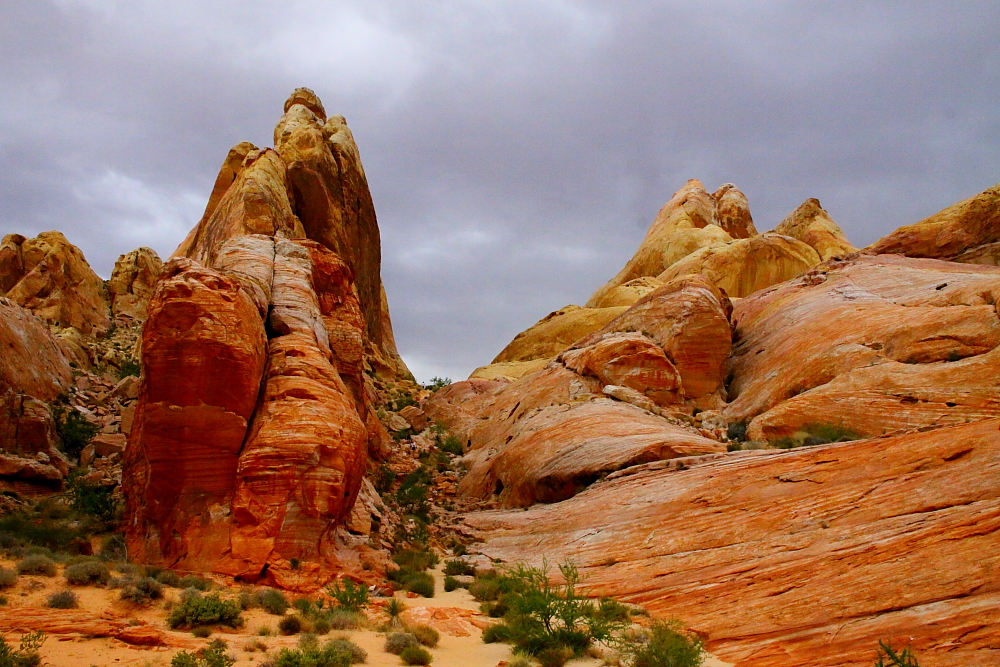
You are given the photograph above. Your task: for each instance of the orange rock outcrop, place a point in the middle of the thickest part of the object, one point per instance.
(812, 225)
(871, 344)
(254, 421)
(50, 277)
(968, 231)
(132, 283)
(783, 559)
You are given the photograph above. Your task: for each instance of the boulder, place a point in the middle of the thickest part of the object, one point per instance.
(687, 222)
(781, 559)
(29, 446)
(50, 277)
(812, 225)
(132, 283)
(555, 332)
(33, 360)
(732, 212)
(745, 266)
(968, 231)
(920, 350)
(416, 417)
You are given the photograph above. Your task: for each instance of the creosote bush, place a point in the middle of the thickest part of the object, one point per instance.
(290, 625)
(63, 600)
(139, 590)
(425, 634)
(213, 655)
(74, 430)
(26, 655)
(8, 577)
(87, 572)
(271, 601)
(196, 609)
(396, 642)
(415, 655)
(37, 564)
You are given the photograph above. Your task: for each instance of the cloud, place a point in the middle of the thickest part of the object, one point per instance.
(517, 150)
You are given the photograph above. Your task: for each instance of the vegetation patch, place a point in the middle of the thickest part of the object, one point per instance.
(196, 609)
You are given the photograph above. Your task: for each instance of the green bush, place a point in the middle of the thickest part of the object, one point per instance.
(272, 601)
(195, 582)
(26, 655)
(73, 429)
(87, 572)
(195, 610)
(202, 631)
(737, 431)
(415, 559)
(350, 595)
(437, 383)
(498, 632)
(415, 655)
(397, 642)
(888, 657)
(37, 564)
(341, 619)
(91, 499)
(140, 590)
(817, 434)
(420, 583)
(459, 567)
(8, 577)
(425, 634)
(169, 578)
(450, 584)
(63, 600)
(129, 367)
(290, 625)
(451, 445)
(412, 494)
(664, 645)
(347, 647)
(214, 655)
(335, 653)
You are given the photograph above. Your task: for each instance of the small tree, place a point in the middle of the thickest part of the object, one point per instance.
(350, 596)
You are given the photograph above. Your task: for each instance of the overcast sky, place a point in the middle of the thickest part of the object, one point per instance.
(516, 151)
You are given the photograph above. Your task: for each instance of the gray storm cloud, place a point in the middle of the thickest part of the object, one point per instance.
(516, 151)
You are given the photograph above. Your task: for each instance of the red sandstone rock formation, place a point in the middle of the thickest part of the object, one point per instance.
(870, 344)
(50, 277)
(132, 283)
(254, 422)
(968, 231)
(791, 558)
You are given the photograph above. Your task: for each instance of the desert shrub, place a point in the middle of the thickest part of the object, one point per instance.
(169, 578)
(202, 631)
(195, 610)
(519, 661)
(8, 577)
(383, 478)
(87, 572)
(415, 560)
(272, 601)
(425, 634)
(554, 657)
(322, 625)
(437, 383)
(612, 610)
(415, 655)
(817, 434)
(195, 582)
(213, 655)
(459, 567)
(129, 367)
(348, 595)
(498, 632)
(737, 431)
(347, 647)
(420, 583)
(91, 500)
(665, 644)
(451, 445)
(37, 564)
(26, 655)
(341, 619)
(265, 631)
(63, 600)
(450, 584)
(74, 431)
(888, 657)
(396, 642)
(140, 590)
(113, 548)
(412, 494)
(290, 625)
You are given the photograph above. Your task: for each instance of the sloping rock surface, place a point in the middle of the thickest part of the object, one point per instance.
(804, 557)
(33, 360)
(556, 332)
(812, 225)
(872, 344)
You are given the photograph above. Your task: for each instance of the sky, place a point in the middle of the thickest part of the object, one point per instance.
(516, 151)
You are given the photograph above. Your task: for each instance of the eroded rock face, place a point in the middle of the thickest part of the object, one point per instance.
(743, 267)
(811, 224)
(868, 344)
(555, 332)
(804, 557)
(254, 421)
(132, 283)
(689, 221)
(968, 231)
(50, 277)
(34, 361)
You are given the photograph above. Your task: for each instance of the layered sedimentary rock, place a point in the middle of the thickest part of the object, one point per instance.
(132, 283)
(749, 265)
(50, 277)
(552, 432)
(968, 231)
(254, 421)
(33, 361)
(870, 345)
(804, 557)
(812, 225)
(689, 221)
